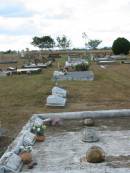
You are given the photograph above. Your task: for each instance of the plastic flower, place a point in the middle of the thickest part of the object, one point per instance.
(44, 126)
(33, 128)
(21, 147)
(25, 149)
(38, 129)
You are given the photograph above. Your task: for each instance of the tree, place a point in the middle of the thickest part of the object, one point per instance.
(93, 44)
(121, 46)
(44, 42)
(85, 37)
(63, 42)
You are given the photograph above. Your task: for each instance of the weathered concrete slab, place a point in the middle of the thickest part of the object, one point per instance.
(55, 100)
(59, 91)
(119, 57)
(3, 74)
(91, 170)
(62, 153)
(107, 62)
(78, 75)
(126, 62)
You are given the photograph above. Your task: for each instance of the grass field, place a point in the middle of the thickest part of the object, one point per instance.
(20, 96)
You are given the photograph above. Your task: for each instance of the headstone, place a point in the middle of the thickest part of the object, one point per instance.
(54, 100)
(57, 73)
(2, 131)
(89, 135)
(11, 162)
(59, 91)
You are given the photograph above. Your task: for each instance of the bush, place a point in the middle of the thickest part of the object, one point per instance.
(82, 67)
(121, 46)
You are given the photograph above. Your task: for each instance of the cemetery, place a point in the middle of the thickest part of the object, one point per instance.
(22, 64)
(64, 86)
(92, 130)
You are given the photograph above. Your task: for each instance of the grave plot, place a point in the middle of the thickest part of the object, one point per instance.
(58, 97)
(115, 59)
(66, 144)
(82, 75)
(64, 150)
(74, 69)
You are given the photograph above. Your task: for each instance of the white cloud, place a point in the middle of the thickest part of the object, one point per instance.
(14, 42)
(100, 19)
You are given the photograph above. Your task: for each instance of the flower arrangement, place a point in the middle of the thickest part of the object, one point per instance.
(25, 149)
(25, 154)
(38, 130)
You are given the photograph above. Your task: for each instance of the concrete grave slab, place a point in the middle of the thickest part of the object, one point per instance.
(78, 75)
(63, 152)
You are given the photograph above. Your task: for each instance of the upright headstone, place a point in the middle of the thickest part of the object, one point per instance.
(89, 135)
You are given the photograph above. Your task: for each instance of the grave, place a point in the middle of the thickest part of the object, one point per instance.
(63, 150)
(38, 65)
(27, 71)
(125, 62)
(3, 73)
(89, 135)
(55, 100)
(107, 62)
(77, 75)
(119, 57)
(59, 91)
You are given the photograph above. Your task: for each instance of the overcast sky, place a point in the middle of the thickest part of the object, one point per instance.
(20, 20)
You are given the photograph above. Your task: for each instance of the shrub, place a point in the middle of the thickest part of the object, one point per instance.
(82, 67)
(121, 46)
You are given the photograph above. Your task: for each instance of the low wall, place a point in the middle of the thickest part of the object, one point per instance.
(87, 114)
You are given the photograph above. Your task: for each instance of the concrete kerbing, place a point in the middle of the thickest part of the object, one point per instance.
(12, 148)
(65, 115)
(87, 114)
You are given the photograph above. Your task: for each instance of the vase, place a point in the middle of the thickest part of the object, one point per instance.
(26, 157)
(40, 138)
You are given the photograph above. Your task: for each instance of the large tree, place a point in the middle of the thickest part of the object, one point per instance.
(121, 46)
(63, 42)
(93, 44)
(44, 42)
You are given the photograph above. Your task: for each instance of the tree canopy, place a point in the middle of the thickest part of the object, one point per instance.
(121, 46)
(63, 42)
(93, 44)
(44, 42)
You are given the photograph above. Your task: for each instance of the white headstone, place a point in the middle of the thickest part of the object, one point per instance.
(59, 91)
(54, 100)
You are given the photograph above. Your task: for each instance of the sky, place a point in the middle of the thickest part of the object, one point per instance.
(21, 20)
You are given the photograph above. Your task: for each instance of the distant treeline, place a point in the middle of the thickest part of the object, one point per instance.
(75, 49)
(9, 52)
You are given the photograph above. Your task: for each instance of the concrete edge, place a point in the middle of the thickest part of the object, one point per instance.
(67, 116)
(87, 114)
